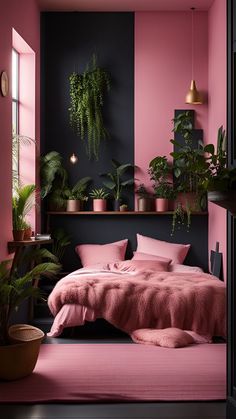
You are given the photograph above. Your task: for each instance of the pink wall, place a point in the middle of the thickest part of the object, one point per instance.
(162, 78)
(24, 17)
(217, 109)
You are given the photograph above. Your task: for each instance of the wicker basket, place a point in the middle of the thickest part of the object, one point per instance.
(18, 359)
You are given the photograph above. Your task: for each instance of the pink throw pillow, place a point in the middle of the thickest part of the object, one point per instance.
(171, 337)
(146, 256)
(91, 254)
(176, 267)
(143, 265)
(176, 252)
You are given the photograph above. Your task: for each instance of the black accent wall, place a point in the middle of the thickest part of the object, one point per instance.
(68, 42)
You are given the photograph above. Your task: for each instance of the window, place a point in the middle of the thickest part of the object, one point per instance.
(15, 118)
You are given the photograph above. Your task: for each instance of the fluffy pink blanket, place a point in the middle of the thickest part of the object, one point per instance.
(132, 297)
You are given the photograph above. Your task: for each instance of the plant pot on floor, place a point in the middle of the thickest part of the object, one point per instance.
(225, 199)
(99, 204)
(73, 205)
(18, 235)
(18, 359)
(161, 204)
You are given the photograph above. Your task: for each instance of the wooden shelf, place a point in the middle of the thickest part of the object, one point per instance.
(13, 245)
(121, 213)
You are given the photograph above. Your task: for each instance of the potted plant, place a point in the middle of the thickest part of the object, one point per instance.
(221, 180)
(76, 196)
(27, 231)
(19, 344)
(124, 208)
(144, 198)
(190, 167)
(99, 199)
(160, 172)
(54, 179)
(115, 182)
(22, 203)
(87, 92)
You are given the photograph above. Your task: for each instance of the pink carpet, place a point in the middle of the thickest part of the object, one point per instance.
(122, 372)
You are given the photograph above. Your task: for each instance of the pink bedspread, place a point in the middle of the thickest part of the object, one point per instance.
(130, 298)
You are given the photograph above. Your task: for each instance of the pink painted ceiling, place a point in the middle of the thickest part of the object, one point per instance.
(123, 5)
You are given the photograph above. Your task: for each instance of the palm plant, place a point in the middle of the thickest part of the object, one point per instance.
(22, 203)
(18, 141)
(114, 180)
(60, 241)
(15, 289)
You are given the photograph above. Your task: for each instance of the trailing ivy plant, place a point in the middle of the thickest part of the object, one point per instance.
(87, 97)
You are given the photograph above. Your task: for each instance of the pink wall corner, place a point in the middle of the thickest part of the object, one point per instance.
(217, 110)
(162, 79)
(24, 16)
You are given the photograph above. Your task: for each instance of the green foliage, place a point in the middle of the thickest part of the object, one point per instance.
(18, 141)
(60, 241)
(87, 98)
(142, 191)
(181, 217)
(54, 178)
(114, 180)
(14, 289)
(160, 172)
(22, 203)
(78, 191)
(99, 194)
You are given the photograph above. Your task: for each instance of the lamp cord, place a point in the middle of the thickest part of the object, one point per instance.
(192, 8)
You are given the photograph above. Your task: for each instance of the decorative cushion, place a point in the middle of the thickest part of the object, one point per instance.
(91, 254)
(169, 338)
(176, 267)
(176, 252)
(143, 265)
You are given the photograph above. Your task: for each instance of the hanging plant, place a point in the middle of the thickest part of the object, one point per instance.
(87, 97)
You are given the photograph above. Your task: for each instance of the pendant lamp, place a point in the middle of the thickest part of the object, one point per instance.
(193, 97)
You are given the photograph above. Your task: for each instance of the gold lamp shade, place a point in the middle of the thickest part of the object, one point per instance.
(193, 96)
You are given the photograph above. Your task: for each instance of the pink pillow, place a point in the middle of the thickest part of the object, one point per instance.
(174, 251)
(142, 265)
(91, 254)
(146, 256)
(169, 338)
(176, 267)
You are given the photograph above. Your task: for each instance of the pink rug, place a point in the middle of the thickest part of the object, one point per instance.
(122, 372)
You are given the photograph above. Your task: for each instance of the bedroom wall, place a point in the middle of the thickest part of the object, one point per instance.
(217, 109)
(24, 17)
(162, 79)
(111, 37)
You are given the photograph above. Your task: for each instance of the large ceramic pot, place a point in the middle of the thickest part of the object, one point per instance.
(189, 200)
(161, 204)
(18, 359)
(99, 205)
(73, 205)
(144, 204)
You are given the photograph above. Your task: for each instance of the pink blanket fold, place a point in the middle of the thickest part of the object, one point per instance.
(130, 298)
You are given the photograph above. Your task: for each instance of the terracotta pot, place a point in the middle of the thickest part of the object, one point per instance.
(99, 205)
(27, 233)
(18, 235)
(161, 204)
(144, 204)
(73, 205)
(18, 359)
(123, 209)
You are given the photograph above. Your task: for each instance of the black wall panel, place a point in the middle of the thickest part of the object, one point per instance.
(68, 42)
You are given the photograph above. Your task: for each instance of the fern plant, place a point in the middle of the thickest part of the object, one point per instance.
(86, 101)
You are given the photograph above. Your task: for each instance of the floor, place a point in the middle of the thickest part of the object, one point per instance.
(159, 410)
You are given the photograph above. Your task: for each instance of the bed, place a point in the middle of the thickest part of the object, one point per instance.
(138, 294)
